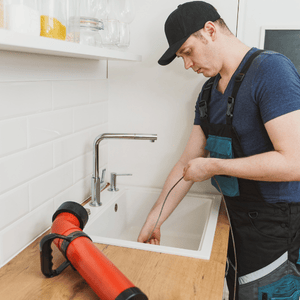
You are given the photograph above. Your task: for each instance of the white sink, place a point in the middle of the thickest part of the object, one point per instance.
(189, 231)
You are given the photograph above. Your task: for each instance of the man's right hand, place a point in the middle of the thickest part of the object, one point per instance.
(145, 233)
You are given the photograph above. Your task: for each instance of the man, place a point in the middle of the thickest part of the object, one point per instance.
(249, 121)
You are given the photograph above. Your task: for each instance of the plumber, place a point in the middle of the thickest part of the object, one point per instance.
(247, 118)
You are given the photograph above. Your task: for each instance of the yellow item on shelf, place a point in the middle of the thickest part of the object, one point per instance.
(52, 28)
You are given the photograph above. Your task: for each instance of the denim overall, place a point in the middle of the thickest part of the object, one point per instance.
(267, 236)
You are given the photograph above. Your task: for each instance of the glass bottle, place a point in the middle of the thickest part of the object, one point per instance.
(124, 35)
(111, 30)
(89, 31)
(90, 24)
(125, 13)
(22, 16)
(110, 34)
(73, 21)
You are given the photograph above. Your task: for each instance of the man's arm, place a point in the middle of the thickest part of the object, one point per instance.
(282, 164)
(194, 148)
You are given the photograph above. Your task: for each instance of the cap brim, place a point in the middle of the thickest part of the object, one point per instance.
(170, 54)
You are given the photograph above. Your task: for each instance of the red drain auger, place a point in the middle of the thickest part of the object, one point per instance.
(99, 272)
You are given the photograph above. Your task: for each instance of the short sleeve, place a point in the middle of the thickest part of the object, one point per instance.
(276, 88)
(197, 120)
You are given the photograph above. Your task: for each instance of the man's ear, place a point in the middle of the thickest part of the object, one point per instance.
(210, 29)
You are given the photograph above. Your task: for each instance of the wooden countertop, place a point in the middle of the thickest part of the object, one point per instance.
(159, 276)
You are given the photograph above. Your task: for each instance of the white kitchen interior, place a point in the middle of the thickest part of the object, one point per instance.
(53, 107)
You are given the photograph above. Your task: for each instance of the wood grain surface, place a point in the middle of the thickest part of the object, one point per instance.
(159, 276)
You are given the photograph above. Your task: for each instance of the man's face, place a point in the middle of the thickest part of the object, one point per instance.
(198, 54)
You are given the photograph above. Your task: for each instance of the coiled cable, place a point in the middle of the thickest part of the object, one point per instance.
(231, 231)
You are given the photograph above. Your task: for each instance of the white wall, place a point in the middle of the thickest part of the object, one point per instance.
(51, 109)
(256, 13)
(146, 97)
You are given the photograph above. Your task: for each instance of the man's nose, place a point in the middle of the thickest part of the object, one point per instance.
(187, 63)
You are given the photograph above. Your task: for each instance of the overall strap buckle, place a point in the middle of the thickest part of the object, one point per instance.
(203, 109)
(229, 112)
(230, 106)
(238, 81)
(203, 104)
(239, 77)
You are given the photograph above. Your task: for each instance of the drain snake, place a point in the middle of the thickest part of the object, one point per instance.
(163, 207)
(231, 231)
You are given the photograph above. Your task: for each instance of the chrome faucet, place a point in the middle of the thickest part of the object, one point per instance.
(96, 189)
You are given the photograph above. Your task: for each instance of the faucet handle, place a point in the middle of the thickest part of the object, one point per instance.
(113, 181)
(102, 176)
(123, 174)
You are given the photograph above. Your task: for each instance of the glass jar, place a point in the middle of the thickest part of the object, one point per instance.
(73, 21)
(54, 19)
(22, 16)
(90, 31)
(124, 35)
(124, 12)
(111, 33)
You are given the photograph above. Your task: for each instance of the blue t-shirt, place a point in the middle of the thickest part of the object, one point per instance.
(271, 88)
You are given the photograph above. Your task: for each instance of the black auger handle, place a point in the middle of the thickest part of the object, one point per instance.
(46, 255)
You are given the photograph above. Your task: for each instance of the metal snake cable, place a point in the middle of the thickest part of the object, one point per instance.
(232, 236)
(227, 213)
(163, 207)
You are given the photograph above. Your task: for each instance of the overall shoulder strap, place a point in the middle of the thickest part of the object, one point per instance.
(203, 104)
(237, 83)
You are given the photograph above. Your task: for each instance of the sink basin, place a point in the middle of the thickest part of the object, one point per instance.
(189, 231)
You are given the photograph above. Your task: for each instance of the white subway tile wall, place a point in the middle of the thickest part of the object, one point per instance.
(47, 129)
(14, 139)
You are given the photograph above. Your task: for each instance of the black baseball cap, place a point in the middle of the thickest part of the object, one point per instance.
(184, 21)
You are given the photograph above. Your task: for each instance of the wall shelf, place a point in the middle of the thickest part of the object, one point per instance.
(13, 41)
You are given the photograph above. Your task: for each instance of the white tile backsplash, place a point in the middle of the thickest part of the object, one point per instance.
(23, 98)
(50, 184)
(13, 136)
(83, 166)
(81, 190)
(49, 126)
(14, 204)
(27, 228)
(99, 91)
(47, 130)
(70, 93)
(89, 116)
(103, 156)
(71, 147)
(18, 168)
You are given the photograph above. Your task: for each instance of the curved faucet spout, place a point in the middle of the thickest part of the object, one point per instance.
(95, 178)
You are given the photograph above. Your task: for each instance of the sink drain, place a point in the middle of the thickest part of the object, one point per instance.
(116, 207)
